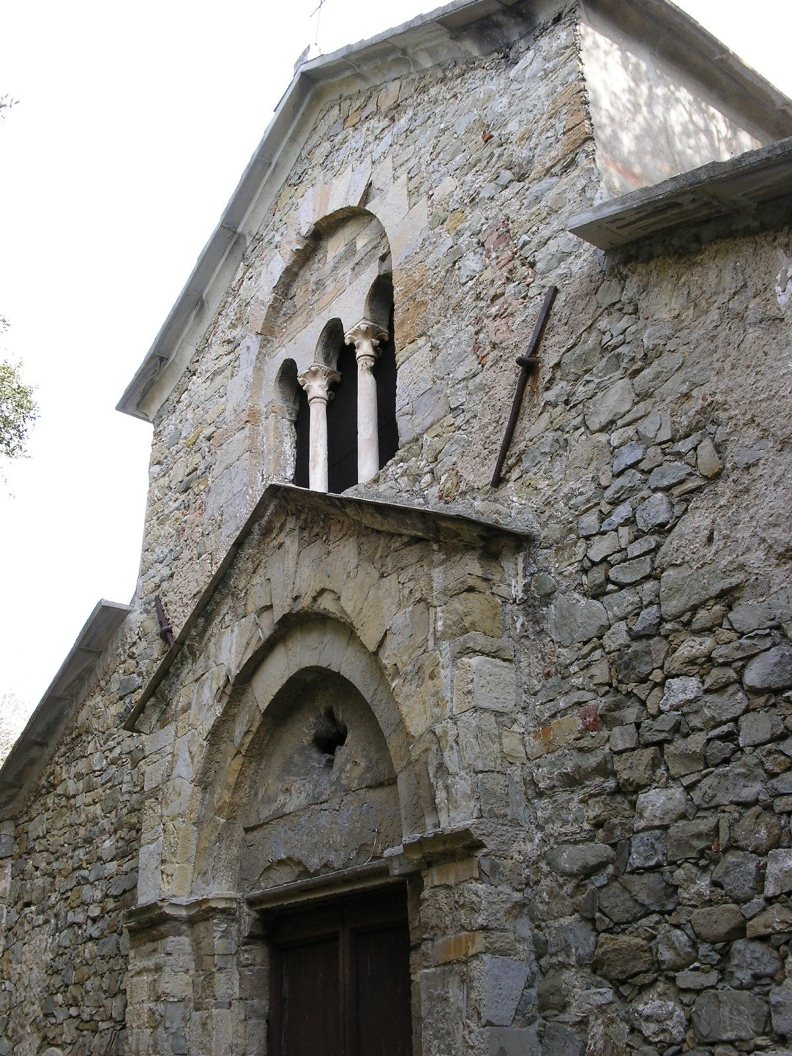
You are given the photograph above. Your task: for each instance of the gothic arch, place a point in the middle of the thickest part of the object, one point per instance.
(256, 711)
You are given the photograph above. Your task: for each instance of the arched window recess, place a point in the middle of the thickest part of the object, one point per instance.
(351, 390)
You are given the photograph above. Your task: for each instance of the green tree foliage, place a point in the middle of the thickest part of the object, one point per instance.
(17, 410)
(17, 407)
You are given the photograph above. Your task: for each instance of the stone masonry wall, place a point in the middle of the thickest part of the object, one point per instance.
(644, 865)
(68, 873)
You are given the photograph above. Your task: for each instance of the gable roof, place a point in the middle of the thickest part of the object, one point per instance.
(456, 31)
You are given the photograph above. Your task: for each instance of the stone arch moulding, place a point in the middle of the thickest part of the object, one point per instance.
(318, 297)
(300, 642)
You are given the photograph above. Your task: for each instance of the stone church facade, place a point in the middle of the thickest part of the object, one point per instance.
(386, 758)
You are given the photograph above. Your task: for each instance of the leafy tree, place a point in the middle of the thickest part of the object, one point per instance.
(14, 713)
(17, 408)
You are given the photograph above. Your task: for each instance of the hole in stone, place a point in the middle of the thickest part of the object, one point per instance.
(329, 734)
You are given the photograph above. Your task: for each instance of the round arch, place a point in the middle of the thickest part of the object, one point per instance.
(254, 709)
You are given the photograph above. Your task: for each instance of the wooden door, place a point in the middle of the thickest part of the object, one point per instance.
(340, 982)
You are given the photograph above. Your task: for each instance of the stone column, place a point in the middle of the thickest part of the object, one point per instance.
(367, 338)
(316, 381)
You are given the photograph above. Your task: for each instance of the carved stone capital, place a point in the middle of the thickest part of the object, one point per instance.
(367, 337)
(316, 381)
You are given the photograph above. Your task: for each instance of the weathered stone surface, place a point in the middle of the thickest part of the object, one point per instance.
(684, 587)
(675, 949)
(681, 691)
(770, 670)
(707, 461)
(777, 920)
(756, 830)
(729, 1015)
(738, 873)
(636, 770)
(660, 807)
(778, 879)
(612, 403)
(750, 961)
(622, 956)
(718, 923)
(689, 839)
(577, 620)
(504, 981)
(659, 1018)
(759, 727)
(781, 1009)
(740, 782)
(579, 860)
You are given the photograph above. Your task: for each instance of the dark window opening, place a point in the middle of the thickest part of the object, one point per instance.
(385, 373)
(340, 979)
(303, 430)
(342, 472)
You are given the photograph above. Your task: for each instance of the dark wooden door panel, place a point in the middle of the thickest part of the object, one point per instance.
(310, 1000)
(380, 989)
(340, 983)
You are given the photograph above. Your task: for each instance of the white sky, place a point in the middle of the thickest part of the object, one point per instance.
(133, 127)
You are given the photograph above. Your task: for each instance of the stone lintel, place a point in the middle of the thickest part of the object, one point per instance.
(438, 526)
(357, 878)
(740, 185)
(170, 916)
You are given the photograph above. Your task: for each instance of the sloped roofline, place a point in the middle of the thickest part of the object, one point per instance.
(75, 677)
(457, 30)
(418, 522)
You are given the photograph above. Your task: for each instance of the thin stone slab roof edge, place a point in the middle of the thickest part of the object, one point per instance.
(416, 521)
(68, 688)
(403, 44)
(718, 189)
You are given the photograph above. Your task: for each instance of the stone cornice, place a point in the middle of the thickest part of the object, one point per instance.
(438, 526)
(723, 188)
(173, 915)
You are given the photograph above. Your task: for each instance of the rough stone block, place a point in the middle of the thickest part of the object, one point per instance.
(729, 1015)
(504, 982)
(484, 682)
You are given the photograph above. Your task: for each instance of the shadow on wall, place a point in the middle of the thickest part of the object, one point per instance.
(649, 124)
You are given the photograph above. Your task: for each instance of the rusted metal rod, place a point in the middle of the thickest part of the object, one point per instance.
(528, 363)
(165, 629)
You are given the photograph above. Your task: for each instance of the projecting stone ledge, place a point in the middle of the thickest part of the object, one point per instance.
(740, 185)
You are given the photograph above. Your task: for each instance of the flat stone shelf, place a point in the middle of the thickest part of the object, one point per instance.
(739, 185)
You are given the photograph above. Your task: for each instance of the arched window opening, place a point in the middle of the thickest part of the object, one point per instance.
(379, 309)
(379, 302)
(294, 409)
(330, 344)
(385, 373)
(342, 424)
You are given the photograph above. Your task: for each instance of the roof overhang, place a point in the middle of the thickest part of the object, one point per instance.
(436, 526)
(741, 185)
(40, 736)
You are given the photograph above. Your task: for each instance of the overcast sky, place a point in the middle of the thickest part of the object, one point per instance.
(133, 126)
